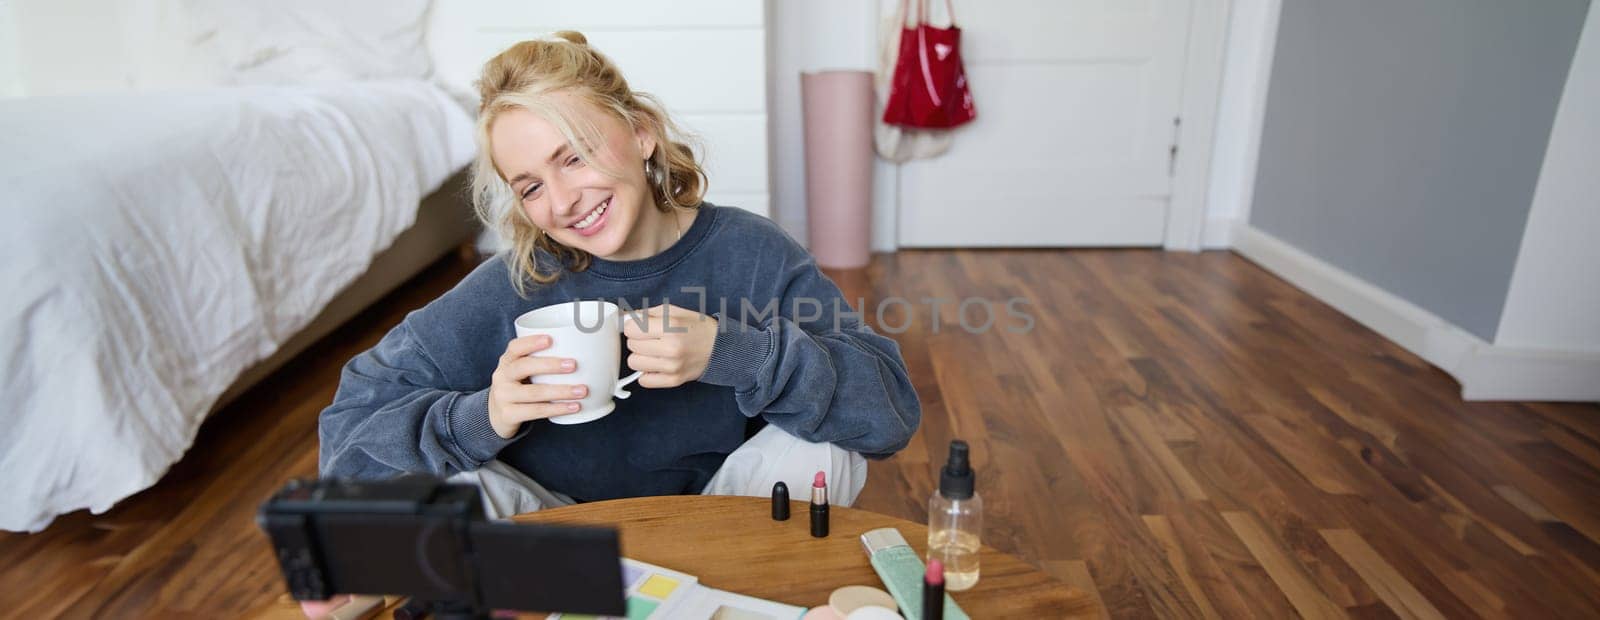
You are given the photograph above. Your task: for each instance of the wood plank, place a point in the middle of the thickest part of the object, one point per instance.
(1291, 577)
(1395, 591)
(1528, 505)
(1153, 442)
(1461, 515)
(1162, 529)
(1075, 573)
(1578, 446)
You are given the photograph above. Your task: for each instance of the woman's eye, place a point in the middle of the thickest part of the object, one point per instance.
(532, 187)
(574, 160)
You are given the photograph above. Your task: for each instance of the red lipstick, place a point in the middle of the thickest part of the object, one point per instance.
(819, 506)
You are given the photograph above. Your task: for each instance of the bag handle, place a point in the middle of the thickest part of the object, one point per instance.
(922, 12)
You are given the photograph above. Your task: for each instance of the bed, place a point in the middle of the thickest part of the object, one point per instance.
(165, 251)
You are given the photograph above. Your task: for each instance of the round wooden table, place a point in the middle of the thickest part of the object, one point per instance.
(732, 543)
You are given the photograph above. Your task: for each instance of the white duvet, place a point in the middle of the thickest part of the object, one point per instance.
(154, 246)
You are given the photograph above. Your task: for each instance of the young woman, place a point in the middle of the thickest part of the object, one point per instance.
(583, 176)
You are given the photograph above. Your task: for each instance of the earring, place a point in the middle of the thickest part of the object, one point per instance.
(649, 170)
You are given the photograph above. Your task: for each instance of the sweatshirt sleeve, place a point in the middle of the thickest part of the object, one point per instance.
(392, 416)
(814, 369)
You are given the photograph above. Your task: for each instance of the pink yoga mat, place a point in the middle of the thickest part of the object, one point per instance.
(838, 125)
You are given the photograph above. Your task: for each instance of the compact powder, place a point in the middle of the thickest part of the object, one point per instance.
(822, 613)
(873, 612)
(850, 598)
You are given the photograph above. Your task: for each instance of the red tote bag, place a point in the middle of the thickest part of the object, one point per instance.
(929, 90)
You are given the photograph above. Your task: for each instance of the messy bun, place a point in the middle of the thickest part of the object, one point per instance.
(523, 76)
(572, 36)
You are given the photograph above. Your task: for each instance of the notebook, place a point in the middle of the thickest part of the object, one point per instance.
(655, 593)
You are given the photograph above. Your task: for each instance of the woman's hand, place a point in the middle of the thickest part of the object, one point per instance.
(672, 347)
(512, 401)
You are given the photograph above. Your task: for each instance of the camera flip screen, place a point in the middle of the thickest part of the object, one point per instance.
(422, 538)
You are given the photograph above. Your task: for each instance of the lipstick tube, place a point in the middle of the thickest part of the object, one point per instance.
(933, 591)
(819, 506)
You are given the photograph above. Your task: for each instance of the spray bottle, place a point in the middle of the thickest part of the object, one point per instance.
(955, 519)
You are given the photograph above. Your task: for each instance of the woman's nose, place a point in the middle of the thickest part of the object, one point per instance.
(563, 199)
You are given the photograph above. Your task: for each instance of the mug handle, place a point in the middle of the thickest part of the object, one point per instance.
(618, 392)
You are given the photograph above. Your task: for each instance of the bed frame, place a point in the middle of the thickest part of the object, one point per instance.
(445, 223)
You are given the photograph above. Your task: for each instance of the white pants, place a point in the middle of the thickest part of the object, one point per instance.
(765, 459)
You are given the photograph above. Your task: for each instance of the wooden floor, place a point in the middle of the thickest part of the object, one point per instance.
(1184, 434)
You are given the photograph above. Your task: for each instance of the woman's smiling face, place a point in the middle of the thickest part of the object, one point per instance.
(573, 200)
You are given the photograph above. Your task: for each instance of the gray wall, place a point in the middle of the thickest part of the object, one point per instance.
(1403, 139)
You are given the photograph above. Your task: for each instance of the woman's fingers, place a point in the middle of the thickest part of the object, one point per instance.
(520, 347)
(523, 368)
(538, 411)
(661, 347)
(636, 329)
(529, 393)
(650, 363)
(660, 380)
(657, 322)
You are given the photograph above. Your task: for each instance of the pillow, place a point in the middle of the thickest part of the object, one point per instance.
(299, 41)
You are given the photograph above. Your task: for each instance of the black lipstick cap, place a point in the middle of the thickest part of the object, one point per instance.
(780, 502)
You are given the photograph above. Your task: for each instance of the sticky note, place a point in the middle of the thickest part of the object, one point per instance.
(640, 608)
(658, 586)
(631, 575)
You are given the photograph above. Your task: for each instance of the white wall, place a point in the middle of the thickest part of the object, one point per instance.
(1554, 301)
(11, 84)
(55, 47)
(1241, 105)
(808, 35)
(71, 47)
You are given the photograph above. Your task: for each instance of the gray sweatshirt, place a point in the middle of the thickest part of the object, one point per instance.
(789, 351)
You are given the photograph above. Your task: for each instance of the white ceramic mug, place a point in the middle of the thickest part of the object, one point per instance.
(591, 333)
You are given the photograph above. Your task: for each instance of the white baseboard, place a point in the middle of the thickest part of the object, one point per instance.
(1502, 373)
(1485, 371)
(1218, 233)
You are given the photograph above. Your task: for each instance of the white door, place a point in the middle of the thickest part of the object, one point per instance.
(1072, 146)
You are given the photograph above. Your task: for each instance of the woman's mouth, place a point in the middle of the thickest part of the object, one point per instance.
(594, 221)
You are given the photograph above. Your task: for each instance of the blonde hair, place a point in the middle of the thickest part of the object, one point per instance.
(524, 76)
